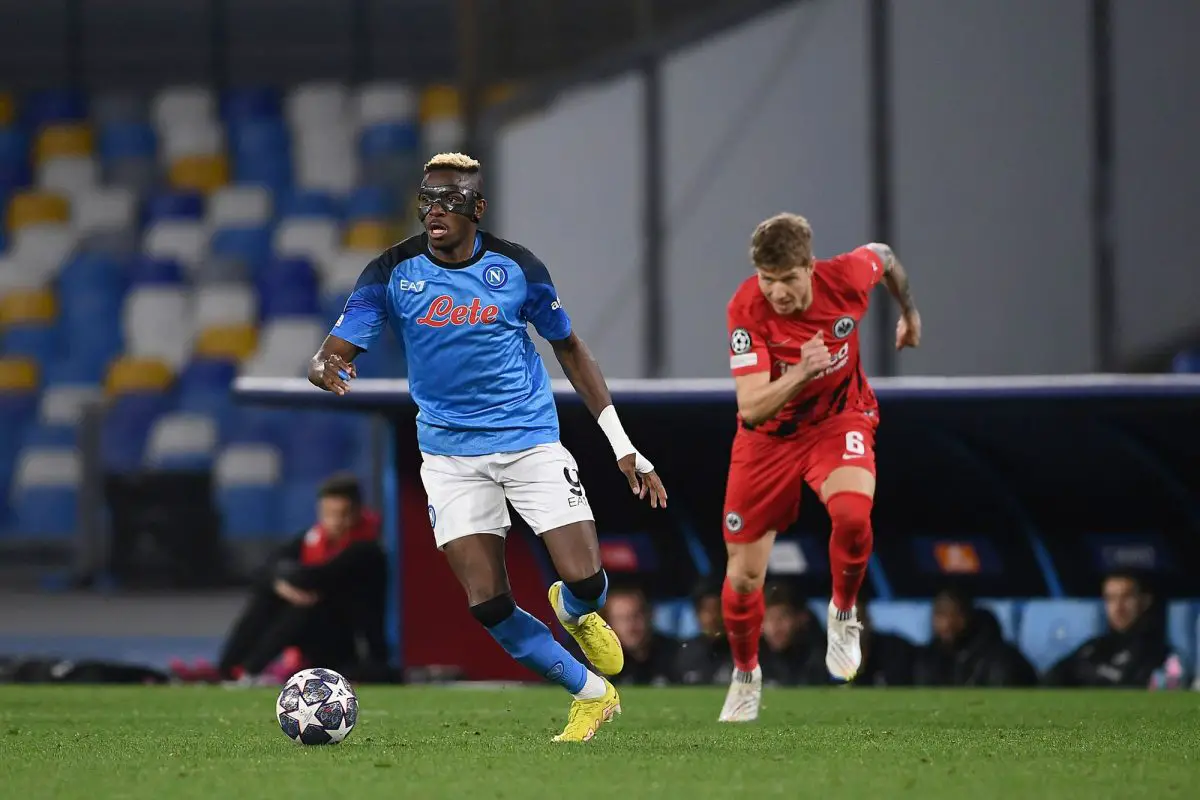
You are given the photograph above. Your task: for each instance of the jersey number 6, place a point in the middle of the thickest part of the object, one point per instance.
(855, 445)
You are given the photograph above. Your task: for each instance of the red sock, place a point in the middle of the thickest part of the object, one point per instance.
(743, 615)
(850, 545)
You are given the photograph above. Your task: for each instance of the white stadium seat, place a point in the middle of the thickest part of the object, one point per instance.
(64, 405)
(248, 465)
(317, 105)
(315, 239)
(180, 434)
(109, 209)
(239, 207)
(387, 102)
(157, 323)
(225, 304)
(343, 271)
(201, 138)
(181, 240)
(285, 346)
(183, 106)
(47, 466)
(69, 175)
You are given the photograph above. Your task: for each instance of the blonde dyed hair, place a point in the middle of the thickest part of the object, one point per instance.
(459, 162)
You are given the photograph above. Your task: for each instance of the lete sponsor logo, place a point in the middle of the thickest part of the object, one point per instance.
(444, 311)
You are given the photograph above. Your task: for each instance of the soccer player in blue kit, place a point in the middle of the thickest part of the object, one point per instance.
(459, 299)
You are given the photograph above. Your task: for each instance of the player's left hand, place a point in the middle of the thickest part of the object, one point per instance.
(908, 330)
(643, 483)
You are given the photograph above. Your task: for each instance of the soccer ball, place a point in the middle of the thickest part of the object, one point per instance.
(317, 706)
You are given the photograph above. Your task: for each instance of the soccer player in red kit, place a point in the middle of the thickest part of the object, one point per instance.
(806, 414)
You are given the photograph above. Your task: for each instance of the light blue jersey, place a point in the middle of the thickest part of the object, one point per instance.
(479, 383)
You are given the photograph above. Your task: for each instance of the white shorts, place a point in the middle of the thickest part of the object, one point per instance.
(467, 493)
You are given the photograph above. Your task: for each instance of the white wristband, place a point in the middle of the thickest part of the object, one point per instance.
(621, 444)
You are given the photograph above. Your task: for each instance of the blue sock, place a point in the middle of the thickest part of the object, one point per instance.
(577, 607)
(527, 640)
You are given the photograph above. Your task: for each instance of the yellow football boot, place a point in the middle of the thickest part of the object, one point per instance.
(587, 716)
(596, 639)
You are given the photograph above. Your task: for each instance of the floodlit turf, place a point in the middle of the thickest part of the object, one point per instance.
(857, 744)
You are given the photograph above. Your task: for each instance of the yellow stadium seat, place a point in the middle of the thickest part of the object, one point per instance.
(370, 235)
(8, 109)
(200, 173)
(28, 305)
(66, 139)
(439, 102)
(37, 208)
(18, 375)
(128, 375)
(232, 342)
(498, 93)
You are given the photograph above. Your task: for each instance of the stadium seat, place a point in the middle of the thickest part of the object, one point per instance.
(332, 305)
(285, 347)
(1052, 629)
(1183, 625)
(284, 273)
(370, 203)
(239, 207)
(341, 274)
(45, 491)
(184, 241)
(1186, 362)
(88, 273)
(326, 159)
(120, 141)
(1006, 613)
(386, 102)
(224, 304)
(370, 235)
(910, 619)
(247, 479)
(131, 375)
(384, 139)
(227, 342)
(259, 139)
(157, 323)
(70, 176)
(146, 271)
(299, 203)
(62, 139)
(199, 173)
(126, 426)
(29, 208)
(137, 174)
(204, 388)
(203, 138)
(251, 103)
(8, 109)
(316, 104)
(183, 106)
(18, 389)
(184, 204)
(43, 248)
(112, 208)
(118, 107)
(443, 135)
(37, 342)
(440, 101)
(249, 246)
(88, 368)
(28, 307)
(53, 106)
(665, 616)
(39, 435)
(314, 239)
(181, 441)
(63, 405)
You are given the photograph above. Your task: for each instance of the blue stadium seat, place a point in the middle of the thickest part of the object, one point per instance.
(332, 305)
(251, 425)
(146, 270)
(126, 426)
(17, 407)
(249, 512)
(173, 205)
(251, 246)
(15, 169)
(297, 505)
(1052, 629)
(329, 444)
(1186, 362)
(290, 301)
(290, 272)
(46, 512)
(53, 105)
(1183, 626)
(307, 203)
(127, 140)
(77, 370)
(39, 342)
(92, 272)
(385, 139)
(273, 171)
(665, 616)
(259, 138)
(204, 387)
(251, 103)
(370, 202)
(911, 619)
(50, 436)
(1007, 613)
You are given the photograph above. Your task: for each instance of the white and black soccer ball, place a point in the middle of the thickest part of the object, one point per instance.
(317, 706)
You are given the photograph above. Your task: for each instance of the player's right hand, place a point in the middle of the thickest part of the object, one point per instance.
(335, 374)
(814, 357)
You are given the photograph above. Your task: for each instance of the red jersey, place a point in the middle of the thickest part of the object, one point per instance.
(761, 340)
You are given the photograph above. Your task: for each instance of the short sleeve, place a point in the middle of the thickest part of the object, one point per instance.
(866, 268)
(365, 314)
(747, 343)
(542, 306)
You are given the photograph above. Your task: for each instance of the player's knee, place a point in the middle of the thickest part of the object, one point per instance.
(745, 578)
(491, 613)
(850, 513)
(590, 589)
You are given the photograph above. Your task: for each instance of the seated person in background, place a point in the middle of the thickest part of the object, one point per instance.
(706, 658)
(792, 650)
(888, 659)
(1134, 652)
(968, 649)
(649, 656)
(323, 593)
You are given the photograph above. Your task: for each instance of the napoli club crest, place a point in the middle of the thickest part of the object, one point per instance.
(432, 517)
(495, 276)
(843, 327)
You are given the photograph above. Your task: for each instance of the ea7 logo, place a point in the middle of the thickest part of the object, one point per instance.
(577, 497)
(411, 286)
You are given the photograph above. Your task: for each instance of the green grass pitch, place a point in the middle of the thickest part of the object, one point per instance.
(115, 742)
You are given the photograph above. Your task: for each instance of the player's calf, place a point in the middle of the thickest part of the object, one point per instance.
(850, 546)
(576, 603)
(576, 599)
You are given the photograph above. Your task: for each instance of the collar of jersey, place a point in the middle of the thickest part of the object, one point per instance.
(479, 253)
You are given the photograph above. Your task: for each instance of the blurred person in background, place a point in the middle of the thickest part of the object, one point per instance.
(792, 652)
(888, 659)
(706, 657)
(968, 648)
(1133, 653)
(321, 601)
(649, 656)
